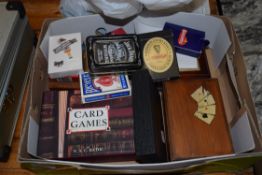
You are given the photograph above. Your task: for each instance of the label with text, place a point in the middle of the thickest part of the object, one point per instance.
(88, 119)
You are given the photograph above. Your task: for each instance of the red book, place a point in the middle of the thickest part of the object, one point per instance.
(88, 132)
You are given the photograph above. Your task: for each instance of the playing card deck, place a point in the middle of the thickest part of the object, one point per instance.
(195, 119)
(118, 53)
(103, 87)
(187, 40)
(65, 55)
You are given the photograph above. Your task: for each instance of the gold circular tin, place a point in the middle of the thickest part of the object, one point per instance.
(158, 54)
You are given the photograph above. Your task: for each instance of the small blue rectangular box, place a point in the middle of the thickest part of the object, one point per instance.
(103, 87)
(187, 41)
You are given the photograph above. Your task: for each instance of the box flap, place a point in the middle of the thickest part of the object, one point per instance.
(32, 137)
(212, 26)
(87, 25)
(242, 137)
(141, 168)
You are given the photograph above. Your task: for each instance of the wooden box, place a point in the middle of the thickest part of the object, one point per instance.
(188, 136)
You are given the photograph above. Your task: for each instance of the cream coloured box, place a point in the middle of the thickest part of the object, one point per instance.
(65, 55)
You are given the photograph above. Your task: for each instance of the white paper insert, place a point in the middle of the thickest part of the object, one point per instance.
(212, 26)
(242, 137)
(32, 137)
(186, 62)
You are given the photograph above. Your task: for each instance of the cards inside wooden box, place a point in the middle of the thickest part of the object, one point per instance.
(195, 118)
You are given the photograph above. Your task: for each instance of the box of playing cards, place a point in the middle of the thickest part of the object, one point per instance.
(187, 40)
(103, 87)
(65, 55)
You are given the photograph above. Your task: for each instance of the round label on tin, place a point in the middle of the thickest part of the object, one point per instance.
(158, 54)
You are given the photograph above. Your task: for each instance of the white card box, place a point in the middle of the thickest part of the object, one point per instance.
(65, 55)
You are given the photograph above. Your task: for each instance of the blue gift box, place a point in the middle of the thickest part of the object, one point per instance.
(187, 41)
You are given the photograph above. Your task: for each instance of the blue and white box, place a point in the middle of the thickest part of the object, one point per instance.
(103, 87)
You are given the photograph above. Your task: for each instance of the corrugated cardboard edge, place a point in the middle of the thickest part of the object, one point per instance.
(241, 78)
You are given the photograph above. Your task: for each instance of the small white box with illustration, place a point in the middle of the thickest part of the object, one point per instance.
(64, 56)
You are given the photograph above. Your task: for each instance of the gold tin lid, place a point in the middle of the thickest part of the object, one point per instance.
(158, 54)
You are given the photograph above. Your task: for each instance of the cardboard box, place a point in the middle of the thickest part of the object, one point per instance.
(236, 96)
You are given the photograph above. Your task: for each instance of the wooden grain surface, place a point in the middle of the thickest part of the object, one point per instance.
(188, 136)
(37, 11)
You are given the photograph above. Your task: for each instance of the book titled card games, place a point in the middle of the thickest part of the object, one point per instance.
(65, 55)
(103, 87)
(195, 118)
(89, 132)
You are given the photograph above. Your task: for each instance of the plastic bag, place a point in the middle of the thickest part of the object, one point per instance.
(120, 9)
(162, 4)
(71, 8)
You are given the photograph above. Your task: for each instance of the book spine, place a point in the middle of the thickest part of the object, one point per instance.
(48, 138)
(103, 136)
(62, 113)
(121, 112)
(118, 123)
(102, 149)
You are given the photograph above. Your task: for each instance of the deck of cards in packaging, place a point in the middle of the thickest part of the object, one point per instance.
(103, 87)
(65, 55)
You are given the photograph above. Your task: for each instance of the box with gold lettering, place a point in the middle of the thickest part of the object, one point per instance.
(159, 55)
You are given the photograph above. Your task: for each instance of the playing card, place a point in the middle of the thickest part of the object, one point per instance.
(199, 94)
(207, 109)
(207, 118)
(206, 101)
(205, 92)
